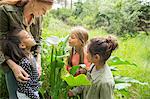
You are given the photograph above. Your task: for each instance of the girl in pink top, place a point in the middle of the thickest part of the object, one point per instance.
(77, 41)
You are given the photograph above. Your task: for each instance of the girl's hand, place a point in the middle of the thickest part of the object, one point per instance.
(83, 71)
(70, 94)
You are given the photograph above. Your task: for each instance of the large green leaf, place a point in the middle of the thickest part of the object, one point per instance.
(118, 61)
(74, 69)
(77, 81)
(112, 68)
(120, 79)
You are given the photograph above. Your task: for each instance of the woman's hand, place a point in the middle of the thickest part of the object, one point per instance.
(20, 74)
(18, 71)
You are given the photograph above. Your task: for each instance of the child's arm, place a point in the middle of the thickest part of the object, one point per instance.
(106, 91)
(38, 60)
(26, 88)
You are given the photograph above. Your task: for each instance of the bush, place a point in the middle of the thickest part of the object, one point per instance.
(3, 87)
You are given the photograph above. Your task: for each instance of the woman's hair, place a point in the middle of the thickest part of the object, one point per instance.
(82, 35)
(11, 2)
(103, 47)
(10, 45)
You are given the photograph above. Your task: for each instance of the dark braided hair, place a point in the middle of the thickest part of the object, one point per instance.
(103, 47)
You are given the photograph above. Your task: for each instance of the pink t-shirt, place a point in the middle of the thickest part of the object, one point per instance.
(76, 59)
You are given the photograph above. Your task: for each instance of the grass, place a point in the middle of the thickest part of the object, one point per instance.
(135, 50)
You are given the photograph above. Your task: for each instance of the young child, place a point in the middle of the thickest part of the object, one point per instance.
(77, 41)
(99, 50)
(17, 46)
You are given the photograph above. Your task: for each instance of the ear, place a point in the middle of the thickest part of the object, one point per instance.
(22, 45)
(96, 58)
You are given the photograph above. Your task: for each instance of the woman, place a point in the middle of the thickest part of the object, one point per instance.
(20, 14)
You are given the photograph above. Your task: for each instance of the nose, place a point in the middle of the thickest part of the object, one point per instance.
(69, 39)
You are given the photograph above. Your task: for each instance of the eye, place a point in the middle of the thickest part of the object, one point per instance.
(73, 37)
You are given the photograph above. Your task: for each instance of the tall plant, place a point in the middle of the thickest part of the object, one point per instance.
(53, 86)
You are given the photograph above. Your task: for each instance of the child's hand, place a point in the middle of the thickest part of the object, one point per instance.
(83, 71)
(70, 94)
(80, 71)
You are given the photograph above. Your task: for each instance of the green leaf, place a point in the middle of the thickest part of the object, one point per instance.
(120, 79)
(118, 61)
(121, 86)
(62, 56)
(74, 70)
(77, 81)
(112, 68)
(57, 63)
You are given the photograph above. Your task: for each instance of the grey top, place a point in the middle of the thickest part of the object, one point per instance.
(102, 84)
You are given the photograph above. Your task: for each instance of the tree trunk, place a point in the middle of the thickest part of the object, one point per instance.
(71, 4)
(65, 3)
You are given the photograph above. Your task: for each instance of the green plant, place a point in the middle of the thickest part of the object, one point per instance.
(3, 87)
(53, 86)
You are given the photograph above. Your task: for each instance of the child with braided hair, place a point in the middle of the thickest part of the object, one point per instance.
(99, 50)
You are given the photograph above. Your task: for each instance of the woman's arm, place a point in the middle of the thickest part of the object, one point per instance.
(18, 71)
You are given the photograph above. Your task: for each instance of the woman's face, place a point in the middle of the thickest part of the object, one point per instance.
(41, 8)
(37, 8)
(27, 39)
(74, 41)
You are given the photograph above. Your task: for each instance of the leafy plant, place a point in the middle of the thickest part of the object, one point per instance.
(76, 81)
(53, 86)
(3, 87)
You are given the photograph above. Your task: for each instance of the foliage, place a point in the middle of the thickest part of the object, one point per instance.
(3, 92)
(118, 61)
(79, 80)
(135, 50)
(53, 65)
(121, 17)
(62, 14)
(53, 86)
(144, 17)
